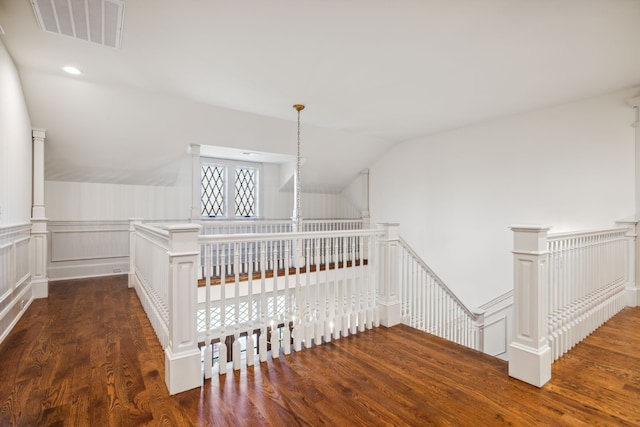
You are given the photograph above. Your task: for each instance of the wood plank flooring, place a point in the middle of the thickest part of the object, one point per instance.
(87, 356)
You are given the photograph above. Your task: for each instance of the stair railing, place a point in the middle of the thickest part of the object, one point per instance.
(429, 305)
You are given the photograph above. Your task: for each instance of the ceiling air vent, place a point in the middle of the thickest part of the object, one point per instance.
(95, 21)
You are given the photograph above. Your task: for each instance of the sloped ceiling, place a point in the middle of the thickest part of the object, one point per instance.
(372, 74)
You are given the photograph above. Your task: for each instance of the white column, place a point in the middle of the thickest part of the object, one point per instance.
(631, 286)
(529, 353)
(635, 103)
(196, 185)
(182, 355)
(38, 244)
(389, 300)
(132, 250)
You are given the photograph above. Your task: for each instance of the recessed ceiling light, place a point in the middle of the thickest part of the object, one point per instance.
(248, 153)
(72, 70)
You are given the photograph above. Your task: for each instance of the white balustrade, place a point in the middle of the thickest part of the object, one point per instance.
(429, 305)
(262, 293)
(586, 285)
(262, 296)
(566, 285)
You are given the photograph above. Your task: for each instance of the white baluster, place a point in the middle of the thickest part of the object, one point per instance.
(222, 351)
(262, 344)
(222, 356)
(275, 340)
(286, 339)
(251, 355)
(237, 359)
(208, 359)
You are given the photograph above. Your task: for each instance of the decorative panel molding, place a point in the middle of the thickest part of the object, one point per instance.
(22, 261)
(495, 333)
(5, 270)
(498, 325)
(88, 248)
(15, 283)
(74, 245)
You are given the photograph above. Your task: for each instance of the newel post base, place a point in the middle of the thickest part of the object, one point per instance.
(530, 365)
(39, 257)
(389, 301)
(183, 370)
(529, 353)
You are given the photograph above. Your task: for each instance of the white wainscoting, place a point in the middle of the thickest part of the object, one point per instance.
(87, 248)
(15, 277)
(498, 325)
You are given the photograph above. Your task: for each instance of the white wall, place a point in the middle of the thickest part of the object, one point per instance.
(15, 146)
(15, 196)
(87, 201)
(278, 204)
(455, 194)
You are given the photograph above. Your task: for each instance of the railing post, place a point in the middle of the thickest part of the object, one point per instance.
(389, 300)
(478, 327)
(529, 353)
(182, 355)
(132, 250)
(631, 287)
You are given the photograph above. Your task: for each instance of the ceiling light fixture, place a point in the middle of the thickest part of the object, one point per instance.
(72, 70)
(297, 220)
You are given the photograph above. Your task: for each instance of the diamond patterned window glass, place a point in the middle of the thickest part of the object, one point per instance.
(212, 190)
(245, 192)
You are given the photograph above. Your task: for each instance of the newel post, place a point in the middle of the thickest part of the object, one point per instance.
(389, 299)
(182, 355)
(478, 327)
(529, 353)
(631, 286)
(132, 250)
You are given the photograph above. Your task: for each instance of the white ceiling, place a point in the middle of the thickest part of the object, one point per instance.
(372, 74)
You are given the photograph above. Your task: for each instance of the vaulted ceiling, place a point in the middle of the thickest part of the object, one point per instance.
(372, 74)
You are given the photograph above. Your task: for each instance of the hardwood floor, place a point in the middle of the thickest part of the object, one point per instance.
(87, 356)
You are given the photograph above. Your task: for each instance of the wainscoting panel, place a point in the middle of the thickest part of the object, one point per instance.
(88, 248)
(498, 325)
(15, 278)
(76, 245)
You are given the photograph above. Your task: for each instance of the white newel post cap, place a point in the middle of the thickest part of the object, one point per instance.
(181, 237)
(530, 238)
(392, 230)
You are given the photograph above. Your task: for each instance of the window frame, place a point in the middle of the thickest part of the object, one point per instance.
(229, 176)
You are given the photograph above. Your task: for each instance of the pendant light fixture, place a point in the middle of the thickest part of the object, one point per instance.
(297, 219)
